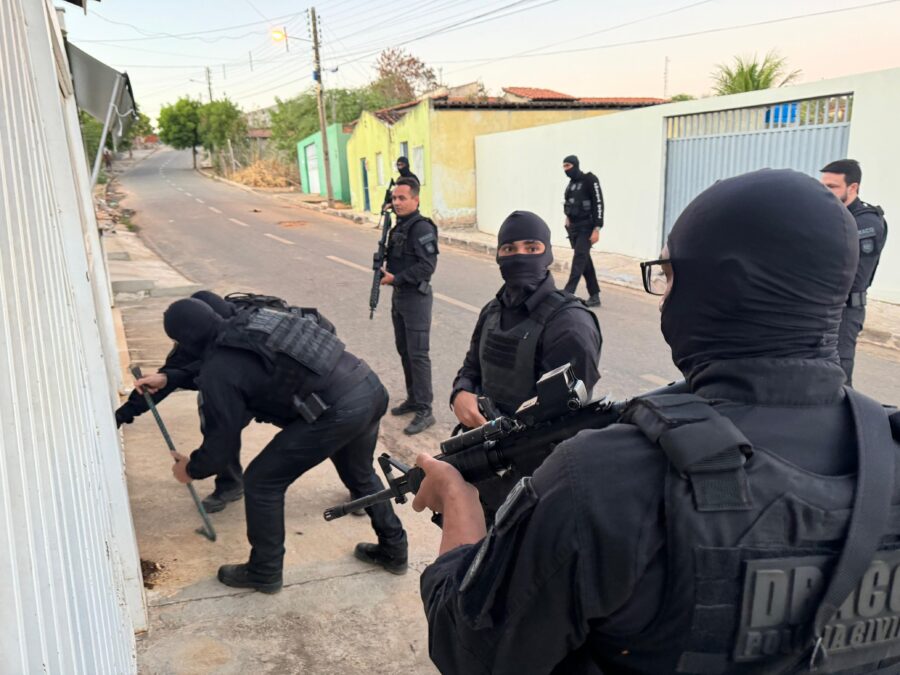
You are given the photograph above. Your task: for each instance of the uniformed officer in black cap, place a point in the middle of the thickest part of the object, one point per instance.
(843, 178)
(749, 526)
(411, 260)
(528, 329)
(285, 369)
(583, 207)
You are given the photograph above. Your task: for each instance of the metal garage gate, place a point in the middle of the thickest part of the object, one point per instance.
(705, 147)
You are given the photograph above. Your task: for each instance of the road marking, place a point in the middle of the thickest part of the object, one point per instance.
(283, 241)
(440, 296)
(198, 200)
(188, 194)
(180, 189)
(238, 222)
(214, 209)
(655, 379)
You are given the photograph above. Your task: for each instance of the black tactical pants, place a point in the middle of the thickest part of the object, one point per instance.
(346, 433)
(411, 314)
(582, 265)
(852, 320)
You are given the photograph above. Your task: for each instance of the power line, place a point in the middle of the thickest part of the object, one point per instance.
(707, 31)
(151, 35)
(466, 23)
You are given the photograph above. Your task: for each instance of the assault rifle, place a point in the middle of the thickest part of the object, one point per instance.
(381, 254)
(560, 410)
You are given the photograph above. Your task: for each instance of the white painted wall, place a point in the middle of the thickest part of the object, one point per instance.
(71, 594)
(523, 169)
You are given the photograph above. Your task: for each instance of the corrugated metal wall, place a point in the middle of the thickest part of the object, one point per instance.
(706, 147)
(64, 586)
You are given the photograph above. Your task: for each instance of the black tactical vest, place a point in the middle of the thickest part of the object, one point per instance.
(577, 205)
(508, 357)
(757, 550)
(867, 246)
(300, 353)
(401, 249)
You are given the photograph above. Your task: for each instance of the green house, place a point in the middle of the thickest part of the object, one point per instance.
(312, 166)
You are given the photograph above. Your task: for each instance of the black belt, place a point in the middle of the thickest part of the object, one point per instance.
(311, 407)
(857, 299)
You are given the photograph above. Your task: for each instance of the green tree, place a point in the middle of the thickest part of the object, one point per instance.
(401, 76)
(141, 127)
(681, 97)
(91, 130)
(296, 118)
(179, 125)
(751, 74)
(221, 121)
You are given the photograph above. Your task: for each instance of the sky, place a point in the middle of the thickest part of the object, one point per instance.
(581, 47)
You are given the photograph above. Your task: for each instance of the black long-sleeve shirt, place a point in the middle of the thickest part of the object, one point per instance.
(872, 236)
(586, 188)
(569, 337)
(581, 556)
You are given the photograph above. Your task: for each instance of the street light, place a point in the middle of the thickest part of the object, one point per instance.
(280, 34)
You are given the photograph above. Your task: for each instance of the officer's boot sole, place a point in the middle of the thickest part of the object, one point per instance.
(235, 577)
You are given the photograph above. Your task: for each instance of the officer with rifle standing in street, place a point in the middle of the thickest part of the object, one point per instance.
(412, 251)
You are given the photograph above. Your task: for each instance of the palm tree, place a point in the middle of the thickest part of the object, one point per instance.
(751, 75)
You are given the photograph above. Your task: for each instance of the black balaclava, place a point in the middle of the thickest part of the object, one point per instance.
(575, 172)
(219, 304)
(404, 172)
(762, 267)
(192, 324)
(523, 272)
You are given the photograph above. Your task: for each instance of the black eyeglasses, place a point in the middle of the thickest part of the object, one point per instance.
(653, 274)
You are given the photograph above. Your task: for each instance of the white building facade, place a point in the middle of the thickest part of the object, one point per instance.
(651, 162)
(71, 595)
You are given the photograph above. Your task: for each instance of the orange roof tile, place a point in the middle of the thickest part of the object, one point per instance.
(537, 94)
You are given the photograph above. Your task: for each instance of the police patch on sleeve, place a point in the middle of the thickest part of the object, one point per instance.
(867, 246)
(429, 242)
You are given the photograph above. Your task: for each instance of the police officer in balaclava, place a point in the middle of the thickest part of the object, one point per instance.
(744, 527)
(285, 369)
(583, 206)
(528, 329)
(404, 170)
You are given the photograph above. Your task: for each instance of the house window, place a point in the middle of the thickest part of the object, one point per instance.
(417, 163)
(379, 167)
(404, 149)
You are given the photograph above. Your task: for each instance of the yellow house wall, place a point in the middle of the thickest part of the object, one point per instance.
(372, 136)
(452, 194)
(369, 137)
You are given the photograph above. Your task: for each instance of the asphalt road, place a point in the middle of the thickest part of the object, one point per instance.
(230, 239)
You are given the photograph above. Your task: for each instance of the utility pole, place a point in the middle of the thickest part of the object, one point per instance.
(209, 83)
(317, 76)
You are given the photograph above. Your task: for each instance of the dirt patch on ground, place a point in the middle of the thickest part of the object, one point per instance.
(291, 224)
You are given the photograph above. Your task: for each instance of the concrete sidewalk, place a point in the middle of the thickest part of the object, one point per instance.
(334, 615)
(882, 326)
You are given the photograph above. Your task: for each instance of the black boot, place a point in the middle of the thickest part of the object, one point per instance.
(217, 501)
(394, 559)
(403, 408)
(240, 576)
(420, 423)
(593, 301)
